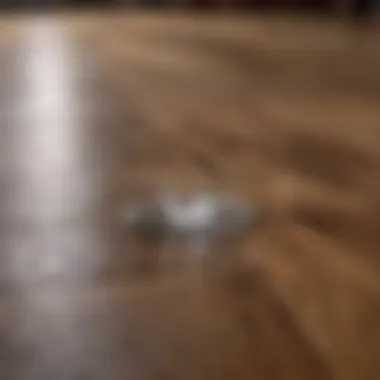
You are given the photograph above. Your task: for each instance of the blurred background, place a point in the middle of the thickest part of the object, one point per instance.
(106, 104)
(358, 8)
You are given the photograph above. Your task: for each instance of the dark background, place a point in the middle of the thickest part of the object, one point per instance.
(359, 10)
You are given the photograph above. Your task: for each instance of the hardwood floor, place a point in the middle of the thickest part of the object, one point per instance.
(100, 111)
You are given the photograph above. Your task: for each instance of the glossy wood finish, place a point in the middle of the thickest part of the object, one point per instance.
(99, 111)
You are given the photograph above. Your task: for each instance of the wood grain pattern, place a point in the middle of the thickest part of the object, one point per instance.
(102, 110)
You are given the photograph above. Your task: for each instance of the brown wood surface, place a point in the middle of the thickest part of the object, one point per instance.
(100, 111)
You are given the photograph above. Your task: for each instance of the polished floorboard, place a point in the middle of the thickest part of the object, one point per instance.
(99, 111)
